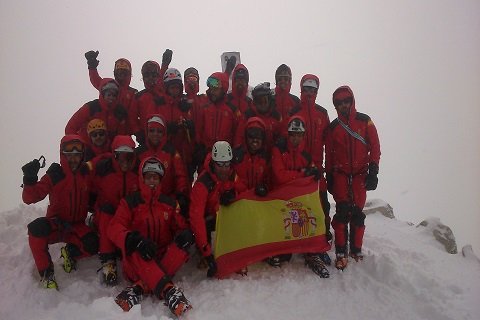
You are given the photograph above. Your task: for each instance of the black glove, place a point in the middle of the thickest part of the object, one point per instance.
(227, 197)
(329, 177)
(212, 266)
(172, 127)
(91, 57)
(120, 112)
(145, 247)
(30, 172)
(184, 203)
(261, 190)
(230, 65)
(140, 137)
(371, 180)
(313, 171)
(167, 57)
(184, 239)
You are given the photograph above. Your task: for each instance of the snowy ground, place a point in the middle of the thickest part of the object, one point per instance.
(405, 275)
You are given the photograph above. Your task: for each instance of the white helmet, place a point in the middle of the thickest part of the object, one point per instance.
(172, 74)
(296, 125)
(222, 151)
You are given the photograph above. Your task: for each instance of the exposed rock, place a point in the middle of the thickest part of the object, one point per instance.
(441, 232)
(376, 205)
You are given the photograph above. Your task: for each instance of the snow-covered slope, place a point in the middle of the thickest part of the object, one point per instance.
(406, 274)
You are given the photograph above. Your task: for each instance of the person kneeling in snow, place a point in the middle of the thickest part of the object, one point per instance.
(155, 240)
(67, 185)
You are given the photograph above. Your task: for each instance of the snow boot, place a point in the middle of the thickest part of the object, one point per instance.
(273, 261)
(341, 261)
(175, 300)
(131, 295)
(314, 262)
(108, 273)
(48, 280)
(357, 256)
(69, 263)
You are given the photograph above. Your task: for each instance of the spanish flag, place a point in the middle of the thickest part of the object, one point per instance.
(289, 219)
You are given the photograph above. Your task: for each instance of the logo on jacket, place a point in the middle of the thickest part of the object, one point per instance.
(299, 221)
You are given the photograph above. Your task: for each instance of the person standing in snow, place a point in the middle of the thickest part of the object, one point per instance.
(290, 161)
(284, 100)
(238, 97)
(154, 239)
(114, 180)
(351, 162)
(68, 187)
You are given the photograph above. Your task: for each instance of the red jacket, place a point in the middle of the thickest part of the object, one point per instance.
(149, 212)
(316, 120)
(285, 101)
(175, 179)
(97, 109)
(68, 193)
(345, 153)
(289, 163)
(126, 96)
(239, 100)
(251, 169)
(205, 202)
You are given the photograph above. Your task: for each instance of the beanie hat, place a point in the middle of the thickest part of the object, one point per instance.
(155, 122)
(191, 72)
(150, 66)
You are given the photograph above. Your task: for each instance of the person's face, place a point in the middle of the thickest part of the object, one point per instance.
(125, 160)
(254, 141)
(110, 96)
(240, 84)
(151, 179)
(262, 104)
(343, 106)
(191, 81)
(310, 92)
(98, 138)
(74, 160)
(150, 77)
(296, 137)
(155, 135)
(121, 75)
(283, 81)
(221, 169)
(174, 90)
(215, 94)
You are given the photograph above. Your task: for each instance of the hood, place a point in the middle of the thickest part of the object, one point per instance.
(301, 146)
(303, 97)
(156, 66)
(223, 77)
(240, 68)
(256, 122)
(63, 159)
(101, 99)
(353, 110)
(148, 192)
(189, 91)
(121, 141)
(162, 143)
(280, 68)
(126, 82)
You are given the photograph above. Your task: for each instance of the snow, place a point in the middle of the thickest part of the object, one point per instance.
(406, 274)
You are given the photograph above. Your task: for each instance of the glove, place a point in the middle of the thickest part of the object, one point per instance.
(184, 203)
(30, 172)
(145, 247)
(330, 182)
(189, 125)
(92, 61)
(230, 65)
(167, 57)
(313, 171)
(227, 197)
(140, 137)
(184, 239)
(120, 112)
(261, 190)
(172, 127)
(212, 266)
(371, 180)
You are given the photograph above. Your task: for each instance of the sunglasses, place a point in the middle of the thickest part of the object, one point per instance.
(309, 89)
(99, 133)
(339, 102)
(223, 163)
(191, 79)
(124, 156)
(150, 74)
(111, 93)
(74, 146)
(296, 133)
(283, 78)
(157, 130)
(261, 100)
(254, 135)
(149, 175)
(214, 82)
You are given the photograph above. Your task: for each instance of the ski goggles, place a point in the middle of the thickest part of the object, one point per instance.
(191, 79)
(98, 133)
(222, 163)
(71, 147)
(214, 82)
(339, 102)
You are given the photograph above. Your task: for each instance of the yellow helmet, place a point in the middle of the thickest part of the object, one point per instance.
(96, 124)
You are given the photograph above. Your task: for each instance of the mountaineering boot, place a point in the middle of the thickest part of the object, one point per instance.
(314, 262)
(131, 295)
(357, 256)
(48, 281)
(175, 300)
(341, 261)
(69, 263)
(273, 261)
(109, 273)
